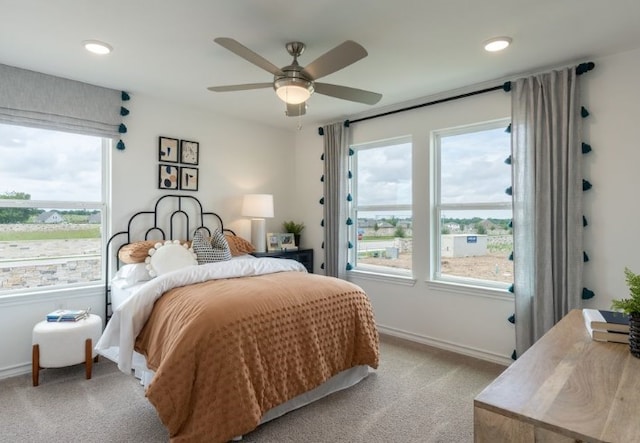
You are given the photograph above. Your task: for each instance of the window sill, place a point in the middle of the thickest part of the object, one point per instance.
(397, 279)
(30, 296)
(459, 288)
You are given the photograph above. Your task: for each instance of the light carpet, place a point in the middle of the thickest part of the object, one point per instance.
(418, 394)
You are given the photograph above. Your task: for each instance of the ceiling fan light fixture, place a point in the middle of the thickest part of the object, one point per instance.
(293, 91)
(497, 44)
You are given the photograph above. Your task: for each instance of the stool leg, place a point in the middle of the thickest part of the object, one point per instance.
(35, 364)
(88, 360)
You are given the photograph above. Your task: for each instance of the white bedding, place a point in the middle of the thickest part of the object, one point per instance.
(118, 338)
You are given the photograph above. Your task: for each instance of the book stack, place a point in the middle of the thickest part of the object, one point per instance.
(607, 325)
(67, 315)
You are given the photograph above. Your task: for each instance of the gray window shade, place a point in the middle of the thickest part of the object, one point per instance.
(39, 100)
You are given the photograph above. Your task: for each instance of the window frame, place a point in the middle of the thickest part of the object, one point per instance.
(102, 206)
(437, 207)
(377, 271)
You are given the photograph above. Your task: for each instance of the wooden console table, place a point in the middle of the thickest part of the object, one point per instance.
(565, 388)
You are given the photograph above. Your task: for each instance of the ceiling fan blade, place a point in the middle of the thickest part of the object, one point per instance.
(335, 59)
(247, 54)
(296, 110)
(346, 93)
(244, 87)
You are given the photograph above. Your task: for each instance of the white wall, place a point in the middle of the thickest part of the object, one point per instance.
(235, 158)
(472, 321)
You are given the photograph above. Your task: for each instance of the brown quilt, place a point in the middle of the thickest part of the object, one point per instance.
(226, 351)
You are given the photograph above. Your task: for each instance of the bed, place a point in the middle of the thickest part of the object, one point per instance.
(225, 344)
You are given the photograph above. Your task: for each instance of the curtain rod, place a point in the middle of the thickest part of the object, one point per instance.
(580, 69)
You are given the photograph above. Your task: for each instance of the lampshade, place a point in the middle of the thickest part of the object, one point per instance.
(293, 90)
(257, 205)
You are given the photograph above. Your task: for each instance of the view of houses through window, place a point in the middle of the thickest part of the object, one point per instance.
(51, 209)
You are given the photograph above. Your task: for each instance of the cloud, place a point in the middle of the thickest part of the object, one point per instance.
(50, 165)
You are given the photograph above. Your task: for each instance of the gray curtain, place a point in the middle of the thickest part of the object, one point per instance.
(336, 170)
(547, 198)
(39, 100)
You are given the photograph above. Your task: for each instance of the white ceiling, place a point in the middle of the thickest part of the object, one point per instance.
(416, 48)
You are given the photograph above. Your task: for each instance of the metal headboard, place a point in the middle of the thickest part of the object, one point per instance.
(173, 213)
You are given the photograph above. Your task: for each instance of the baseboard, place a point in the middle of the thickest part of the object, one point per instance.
(13, 371)
(448, 346)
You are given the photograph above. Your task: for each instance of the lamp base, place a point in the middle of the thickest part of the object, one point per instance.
(258, 234)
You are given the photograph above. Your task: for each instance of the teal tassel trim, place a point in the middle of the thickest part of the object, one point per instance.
(322, 223)
(349, 221)
(350, 175)
(322, 246)
(322, 157)
(511, 289)
(511, 224)
(120, 146)
(508, 130)
(584, 221)
(124, 96)
(321, 201)
(586, 148)
(322, 178)
(349, 267)
(583, 112)
(585, 257)
(351, 151)
(350, 245)
(509, 190)
(586, 185)
(511, 256)
(322, 266)
(514, 355)
(508, 160)
(122, 129)
(321, 132)
(506, 87)
(587, 293)
(349, 198)
(512, 319)
(123, 111)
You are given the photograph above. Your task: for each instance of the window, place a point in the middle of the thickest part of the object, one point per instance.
(52, 208)
(472, 211)
(382, 206)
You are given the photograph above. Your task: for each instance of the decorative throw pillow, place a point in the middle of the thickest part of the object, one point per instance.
(238, 245)
(209, 251)
(169, 256)
(136, 252)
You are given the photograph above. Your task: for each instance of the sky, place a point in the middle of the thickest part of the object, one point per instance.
(50, 165)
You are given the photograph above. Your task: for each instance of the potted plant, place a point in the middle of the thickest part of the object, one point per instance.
(631, 307)
(295, 229)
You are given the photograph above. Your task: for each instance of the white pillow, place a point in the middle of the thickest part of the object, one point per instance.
(131, 274)
(169, 256)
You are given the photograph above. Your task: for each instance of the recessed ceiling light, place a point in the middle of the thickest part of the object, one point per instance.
(97, 47)
(497, 44)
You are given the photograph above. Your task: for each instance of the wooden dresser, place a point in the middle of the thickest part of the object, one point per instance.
(565, 388)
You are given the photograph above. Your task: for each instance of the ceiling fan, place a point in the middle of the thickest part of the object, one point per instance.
(294, 84)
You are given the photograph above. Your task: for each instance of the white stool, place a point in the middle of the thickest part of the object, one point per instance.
(59, 344)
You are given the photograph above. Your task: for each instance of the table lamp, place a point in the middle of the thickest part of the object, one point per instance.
(258, 207)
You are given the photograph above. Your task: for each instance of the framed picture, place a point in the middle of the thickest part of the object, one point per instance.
(189, 152)
(168, 176)
(188, 179)
(281, 242)
(168, 150)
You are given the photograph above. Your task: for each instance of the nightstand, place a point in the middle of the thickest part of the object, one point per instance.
(304, 256)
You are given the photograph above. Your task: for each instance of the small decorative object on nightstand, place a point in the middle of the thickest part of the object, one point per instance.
(304, 256)
(64, 343)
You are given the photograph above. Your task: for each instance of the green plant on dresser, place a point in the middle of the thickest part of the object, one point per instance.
(295, 229)
(631, 306)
